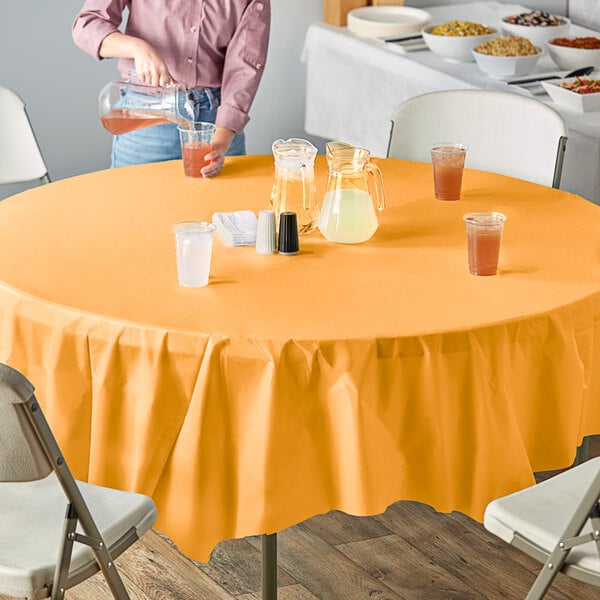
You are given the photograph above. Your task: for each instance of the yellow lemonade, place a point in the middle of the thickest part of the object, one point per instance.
(347, 216)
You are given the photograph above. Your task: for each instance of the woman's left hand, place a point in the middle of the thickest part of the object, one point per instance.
(221, 141)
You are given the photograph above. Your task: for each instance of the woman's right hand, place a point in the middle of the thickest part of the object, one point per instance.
(149, 65)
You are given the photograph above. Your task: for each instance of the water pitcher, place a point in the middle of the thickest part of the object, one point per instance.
(294, 182)
(348, 215)
(126, 106)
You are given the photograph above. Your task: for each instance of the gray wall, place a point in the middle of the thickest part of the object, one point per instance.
(60, 84)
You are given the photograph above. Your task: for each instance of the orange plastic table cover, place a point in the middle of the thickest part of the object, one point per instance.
(347, 377)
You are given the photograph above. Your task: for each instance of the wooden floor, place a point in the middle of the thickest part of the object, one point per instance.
(408, 553)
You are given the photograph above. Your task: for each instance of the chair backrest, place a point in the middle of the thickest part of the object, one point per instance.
(22, 457)
(504, 133)
(20, 156)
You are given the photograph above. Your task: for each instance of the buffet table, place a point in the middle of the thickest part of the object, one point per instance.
(347, 377)
(354, 84)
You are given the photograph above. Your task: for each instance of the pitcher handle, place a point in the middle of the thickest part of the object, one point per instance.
(375, 172)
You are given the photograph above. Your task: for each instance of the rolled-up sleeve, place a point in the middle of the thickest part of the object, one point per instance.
(96, 20)
(244, 65)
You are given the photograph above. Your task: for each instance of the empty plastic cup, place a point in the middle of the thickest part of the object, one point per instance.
(193, 246)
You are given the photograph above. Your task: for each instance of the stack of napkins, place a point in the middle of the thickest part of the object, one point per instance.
(236, 228)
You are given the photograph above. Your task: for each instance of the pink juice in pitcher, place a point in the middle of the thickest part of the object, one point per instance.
(122, 120)
(128, 106)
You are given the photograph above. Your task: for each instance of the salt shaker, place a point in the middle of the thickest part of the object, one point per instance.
(266, 235)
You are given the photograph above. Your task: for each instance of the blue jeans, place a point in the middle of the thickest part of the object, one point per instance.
(161, 142)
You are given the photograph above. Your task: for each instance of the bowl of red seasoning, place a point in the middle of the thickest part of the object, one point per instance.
(580, 94)
(574, 52)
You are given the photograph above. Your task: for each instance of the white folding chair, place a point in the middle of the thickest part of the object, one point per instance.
(20, 156)
(556, 522)
(504, 133)
(43, 549)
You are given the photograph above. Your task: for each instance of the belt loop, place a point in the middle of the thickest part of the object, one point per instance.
(211, 98)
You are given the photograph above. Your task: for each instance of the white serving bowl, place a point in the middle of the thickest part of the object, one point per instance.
(454, 47)
(573, 58)
(538, 35)
(506, 66)
(386, 21)
(570, 99)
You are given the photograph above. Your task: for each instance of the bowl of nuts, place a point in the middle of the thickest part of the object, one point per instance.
(573, 53)
(455, 39)
(538, 26)
(507, 56)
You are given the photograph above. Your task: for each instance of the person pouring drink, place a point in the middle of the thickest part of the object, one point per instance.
(216, 48)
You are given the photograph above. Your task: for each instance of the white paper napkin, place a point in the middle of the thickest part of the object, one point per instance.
(236, 228)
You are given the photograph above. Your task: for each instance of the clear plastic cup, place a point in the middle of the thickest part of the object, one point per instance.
(193, 247)
(484, 233)
(448, 160)
(196, 143)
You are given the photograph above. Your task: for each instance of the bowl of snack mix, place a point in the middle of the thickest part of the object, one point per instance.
(580, 94)
(507, 56)
(574, 52)
(454, 40)
(538, 26)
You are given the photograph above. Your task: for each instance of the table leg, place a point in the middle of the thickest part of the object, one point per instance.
(269, 566)
(583, 452)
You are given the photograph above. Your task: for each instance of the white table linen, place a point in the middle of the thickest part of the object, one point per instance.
(354, 84)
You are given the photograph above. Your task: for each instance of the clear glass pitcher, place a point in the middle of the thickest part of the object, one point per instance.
(126, 106)
(294, 182)
(348, 215)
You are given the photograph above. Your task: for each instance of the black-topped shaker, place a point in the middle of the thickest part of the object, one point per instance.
(288, 234)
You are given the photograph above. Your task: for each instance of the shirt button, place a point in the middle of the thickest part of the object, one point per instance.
(259, 66)
(193, 29)
(259, 6)
(190, 59)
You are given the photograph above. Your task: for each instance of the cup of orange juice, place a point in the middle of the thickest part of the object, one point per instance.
(196, 143)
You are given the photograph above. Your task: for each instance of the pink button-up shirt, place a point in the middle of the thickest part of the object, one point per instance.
(205, 43)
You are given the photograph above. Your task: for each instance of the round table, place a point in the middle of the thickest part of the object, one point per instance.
(347, 377)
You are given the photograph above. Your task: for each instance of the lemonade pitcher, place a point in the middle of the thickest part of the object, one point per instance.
(294, 182)
(126, 106)
(348, 215)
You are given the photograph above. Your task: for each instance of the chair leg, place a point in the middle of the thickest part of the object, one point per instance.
(61, 573)
(103, 557)
(109, 570)
(583, 452)
(542, 583)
